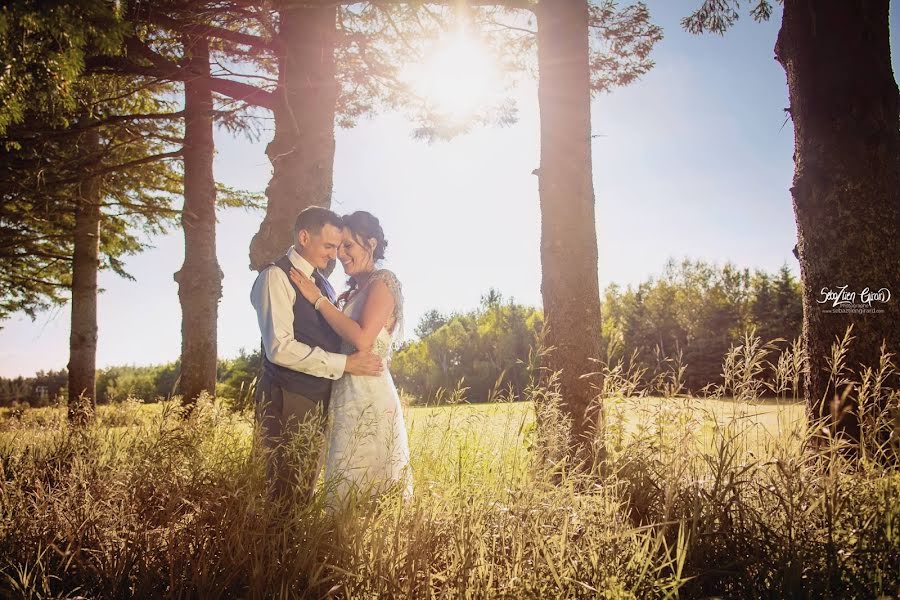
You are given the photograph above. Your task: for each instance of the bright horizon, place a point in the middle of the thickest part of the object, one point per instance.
(694, 160)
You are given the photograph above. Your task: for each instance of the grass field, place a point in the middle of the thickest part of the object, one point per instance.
(491, 432)
(697, 498)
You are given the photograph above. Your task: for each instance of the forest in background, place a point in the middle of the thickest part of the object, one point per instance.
(695, 310)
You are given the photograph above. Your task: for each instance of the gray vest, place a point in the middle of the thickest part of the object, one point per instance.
(311, 328)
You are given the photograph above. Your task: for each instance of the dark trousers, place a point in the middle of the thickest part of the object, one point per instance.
(293, 434)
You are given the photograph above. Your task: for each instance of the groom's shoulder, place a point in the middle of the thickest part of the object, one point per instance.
(268, 273)
(268, 269)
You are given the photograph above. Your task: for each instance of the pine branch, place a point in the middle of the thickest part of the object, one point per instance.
(120, 167)
(82, 127)
(228, 71)
(212, 31)
(30, 253)
(163, 68)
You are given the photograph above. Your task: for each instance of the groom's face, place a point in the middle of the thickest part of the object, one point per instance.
(319, 248)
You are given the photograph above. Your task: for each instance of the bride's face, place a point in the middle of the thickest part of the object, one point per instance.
(355, 257)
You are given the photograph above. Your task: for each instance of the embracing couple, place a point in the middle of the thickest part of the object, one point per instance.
(325, 394)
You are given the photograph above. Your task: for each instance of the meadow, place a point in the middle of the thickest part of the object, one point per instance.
(697, 497)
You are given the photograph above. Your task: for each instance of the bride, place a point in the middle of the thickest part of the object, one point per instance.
(368, 449)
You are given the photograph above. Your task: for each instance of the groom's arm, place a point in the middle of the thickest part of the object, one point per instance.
(273, 298)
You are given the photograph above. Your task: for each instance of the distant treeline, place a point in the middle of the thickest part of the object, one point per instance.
(234, 376)
(699, 311)
(695, 310)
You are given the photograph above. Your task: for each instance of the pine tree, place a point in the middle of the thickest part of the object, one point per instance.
(177, 41)
(569, 283)
(85, 191)
(844, 105)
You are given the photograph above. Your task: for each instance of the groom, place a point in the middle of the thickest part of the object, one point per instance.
(301, 353)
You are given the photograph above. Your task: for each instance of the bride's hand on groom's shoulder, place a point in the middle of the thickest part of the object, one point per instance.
(306, 285)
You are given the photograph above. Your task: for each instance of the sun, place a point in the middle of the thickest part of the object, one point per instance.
(457, 77)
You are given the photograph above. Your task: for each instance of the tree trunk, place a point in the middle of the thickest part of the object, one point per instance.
(846, 189)
(85, 266)
(302, 151)
(569, 284)
(200, 279)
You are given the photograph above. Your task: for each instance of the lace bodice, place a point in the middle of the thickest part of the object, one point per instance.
(386, 340)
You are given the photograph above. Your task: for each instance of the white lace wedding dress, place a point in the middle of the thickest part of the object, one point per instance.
(368, 448)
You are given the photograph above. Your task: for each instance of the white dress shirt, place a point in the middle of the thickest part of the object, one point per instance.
(273, 297)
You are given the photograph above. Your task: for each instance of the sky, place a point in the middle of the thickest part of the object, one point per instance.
(692, 161)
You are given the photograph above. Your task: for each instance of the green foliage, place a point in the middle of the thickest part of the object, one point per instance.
(236, 379)
(228, 197)
(777, 306)
(621, 42)
(698, 310)
(43, 44)
(42, 168)
(52, 101)
(485, 347)
(695, 309)
(149, 383)
(45, 388)
(693, 314)
(717, 16)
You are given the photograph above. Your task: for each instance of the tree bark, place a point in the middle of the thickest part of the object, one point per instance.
(200, 278)
(846, 188)
(85, 266)
(302, 150)
(569, 283)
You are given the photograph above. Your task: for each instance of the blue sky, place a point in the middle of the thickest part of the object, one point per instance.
(692, 161)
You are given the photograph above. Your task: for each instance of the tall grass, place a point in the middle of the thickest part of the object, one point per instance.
(698, 497)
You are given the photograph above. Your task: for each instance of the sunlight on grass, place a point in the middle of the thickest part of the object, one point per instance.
(734, 496)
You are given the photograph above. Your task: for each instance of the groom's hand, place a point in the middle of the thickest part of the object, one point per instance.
(364, 363)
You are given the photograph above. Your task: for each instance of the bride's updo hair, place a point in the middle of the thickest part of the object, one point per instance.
(364, 226)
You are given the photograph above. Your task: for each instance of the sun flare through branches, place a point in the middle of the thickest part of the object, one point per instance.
(457, 78)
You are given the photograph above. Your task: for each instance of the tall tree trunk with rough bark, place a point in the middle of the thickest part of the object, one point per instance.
(302, 150)
(85, 267)
(846, 189)
(569, 285)
(200, 278)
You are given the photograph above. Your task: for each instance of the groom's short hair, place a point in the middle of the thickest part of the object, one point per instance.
(314, 218)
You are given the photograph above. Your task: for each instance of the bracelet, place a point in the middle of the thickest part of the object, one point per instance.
(318, 300)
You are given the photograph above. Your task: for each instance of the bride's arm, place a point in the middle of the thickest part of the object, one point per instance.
(377, 310)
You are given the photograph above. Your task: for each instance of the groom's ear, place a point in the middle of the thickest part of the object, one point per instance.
(302, 238)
